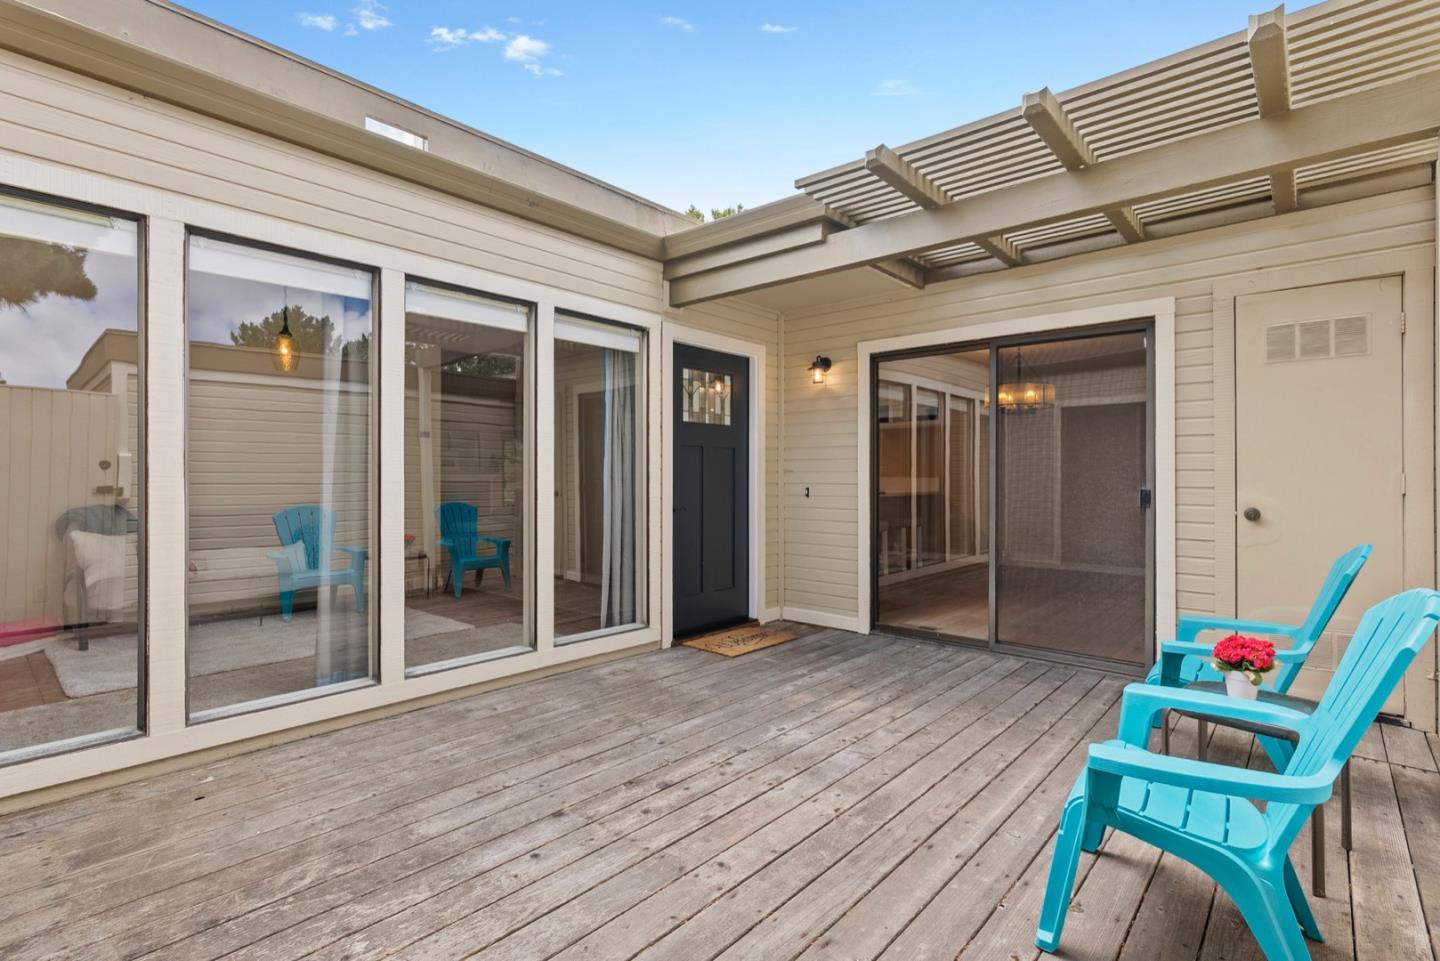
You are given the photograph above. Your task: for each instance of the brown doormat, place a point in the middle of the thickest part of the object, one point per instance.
(739, 640)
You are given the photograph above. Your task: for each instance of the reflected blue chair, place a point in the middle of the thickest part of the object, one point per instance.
(307, 536)
(1203, 812)
(459, 536)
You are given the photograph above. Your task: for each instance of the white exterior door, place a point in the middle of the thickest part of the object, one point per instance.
(1319, 454)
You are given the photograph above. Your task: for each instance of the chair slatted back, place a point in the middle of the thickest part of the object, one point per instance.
(1388, 639)
(1332, 594)
(459, 524)
(312, 525)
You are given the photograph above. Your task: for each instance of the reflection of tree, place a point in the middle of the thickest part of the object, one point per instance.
(313, 335)
(483, 365)
(34, 269)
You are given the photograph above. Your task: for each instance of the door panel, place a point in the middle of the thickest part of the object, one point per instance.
(1319, 449)
(711, 496)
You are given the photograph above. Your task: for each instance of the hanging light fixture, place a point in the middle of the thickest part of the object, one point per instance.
(284, 353)
(1024, 395)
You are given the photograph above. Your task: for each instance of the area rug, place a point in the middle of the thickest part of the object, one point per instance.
(222, 645)
(739, 640)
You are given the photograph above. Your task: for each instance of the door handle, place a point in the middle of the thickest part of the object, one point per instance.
(1252, 514)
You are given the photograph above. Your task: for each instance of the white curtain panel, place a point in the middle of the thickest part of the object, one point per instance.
(617, 577)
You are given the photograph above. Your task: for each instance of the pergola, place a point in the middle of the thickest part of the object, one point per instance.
(1336, 101)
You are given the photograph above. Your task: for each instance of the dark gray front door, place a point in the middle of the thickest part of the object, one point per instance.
(711, 498)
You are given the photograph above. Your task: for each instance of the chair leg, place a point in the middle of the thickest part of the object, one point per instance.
(287, 605)
(1271, 918)
(1345, 806)
(505, 573)
(359, 595)
(1300, 905)
(457, 577)
(1063, 864)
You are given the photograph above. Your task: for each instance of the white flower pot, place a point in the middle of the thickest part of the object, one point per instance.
(1238, 685)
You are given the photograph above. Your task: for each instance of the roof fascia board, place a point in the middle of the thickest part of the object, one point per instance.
(98, 38)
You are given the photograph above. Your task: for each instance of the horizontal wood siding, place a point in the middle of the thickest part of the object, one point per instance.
(820, 534)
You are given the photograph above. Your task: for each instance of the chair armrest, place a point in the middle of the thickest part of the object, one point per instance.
(357, 556)
(1124, 761)
(497, 541)
(1191, 626)
(1141, 704)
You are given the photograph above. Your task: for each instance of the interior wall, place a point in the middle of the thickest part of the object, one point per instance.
(821, 530)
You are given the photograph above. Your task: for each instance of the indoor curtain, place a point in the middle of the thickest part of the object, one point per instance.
(617, 576)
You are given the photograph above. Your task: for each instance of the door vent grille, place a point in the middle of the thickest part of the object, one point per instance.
(1317, 339)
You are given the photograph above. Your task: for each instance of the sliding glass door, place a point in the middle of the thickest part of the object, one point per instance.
(1012, 485)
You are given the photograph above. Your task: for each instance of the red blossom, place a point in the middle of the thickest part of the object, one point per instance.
(1242, 653)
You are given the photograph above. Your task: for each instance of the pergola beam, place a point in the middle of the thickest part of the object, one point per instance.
(907, 272)
(1045, 114)
(1270, 65)
(1001, 249)
(898, 172)
(1372, 119)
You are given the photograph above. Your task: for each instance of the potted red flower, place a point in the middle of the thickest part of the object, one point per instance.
(1244, 661)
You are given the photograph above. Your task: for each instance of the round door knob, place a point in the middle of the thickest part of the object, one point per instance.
(1252, 514)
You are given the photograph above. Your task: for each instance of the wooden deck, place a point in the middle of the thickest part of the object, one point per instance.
(835, 797)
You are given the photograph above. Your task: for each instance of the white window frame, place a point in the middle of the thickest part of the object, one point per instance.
(167, 218)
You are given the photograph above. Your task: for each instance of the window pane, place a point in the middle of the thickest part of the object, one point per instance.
(280, 466)
(466, 500)
(70, 473)
(599, 478)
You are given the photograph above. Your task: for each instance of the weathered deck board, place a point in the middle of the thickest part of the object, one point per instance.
(836, 798)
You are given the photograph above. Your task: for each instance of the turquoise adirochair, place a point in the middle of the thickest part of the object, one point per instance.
(307, 532)
(1183, 661)
(459, 535)
(1203, 812)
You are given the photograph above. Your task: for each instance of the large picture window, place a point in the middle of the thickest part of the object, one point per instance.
(280, 464)
(467, 500)
(599, 478)
(71, 645)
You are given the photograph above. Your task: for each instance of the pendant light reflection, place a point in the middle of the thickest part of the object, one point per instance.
(284, 353)
(1022, 396)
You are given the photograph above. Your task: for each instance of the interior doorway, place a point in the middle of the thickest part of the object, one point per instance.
(1012, 493)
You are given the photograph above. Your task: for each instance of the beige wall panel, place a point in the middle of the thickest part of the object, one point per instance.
(820, 531)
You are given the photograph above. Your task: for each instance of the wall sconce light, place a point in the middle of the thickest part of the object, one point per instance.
(819, 369)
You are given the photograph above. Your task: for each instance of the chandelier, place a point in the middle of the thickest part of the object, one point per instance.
(1024, 394)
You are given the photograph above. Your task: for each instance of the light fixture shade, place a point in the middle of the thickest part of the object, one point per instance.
(819, 368)
(285, 353)
(1025, 396)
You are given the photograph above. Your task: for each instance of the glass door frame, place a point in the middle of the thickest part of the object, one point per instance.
(993, 345)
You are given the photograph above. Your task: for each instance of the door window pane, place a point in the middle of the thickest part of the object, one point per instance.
(280, 463)
(70, 476)
(930, 479)
(706, 397)
(894, 507)
(466, 497)
(599, 478)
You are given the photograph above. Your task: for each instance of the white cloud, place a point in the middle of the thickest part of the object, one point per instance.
(776, 28)
(540, 71)
(350, 30)
(524, 49)
(370, 15)
(319, 21)
(679, 23)
(446, 38)
(897, 88)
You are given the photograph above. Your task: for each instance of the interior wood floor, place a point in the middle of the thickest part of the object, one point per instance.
(1091, 613)
(835, 797)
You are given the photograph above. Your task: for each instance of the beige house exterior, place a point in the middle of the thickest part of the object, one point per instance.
(116, 105)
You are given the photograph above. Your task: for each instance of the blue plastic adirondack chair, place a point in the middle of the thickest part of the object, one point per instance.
(1183, 661)
(459, 535)
(1203, 812)
(307, 533)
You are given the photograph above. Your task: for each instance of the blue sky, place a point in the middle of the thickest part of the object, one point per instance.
(714, 104)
